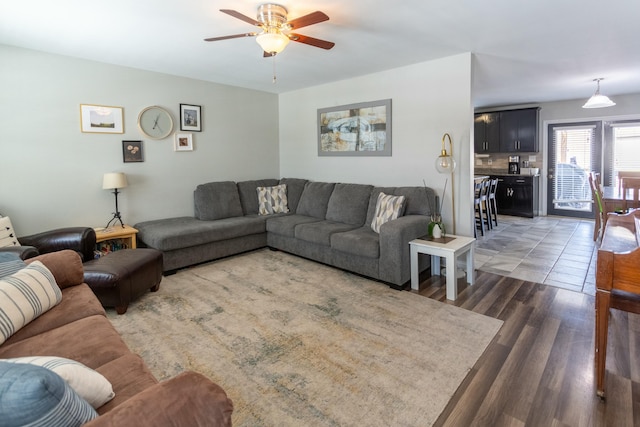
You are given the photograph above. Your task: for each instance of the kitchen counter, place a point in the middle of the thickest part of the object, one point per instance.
(498, 172)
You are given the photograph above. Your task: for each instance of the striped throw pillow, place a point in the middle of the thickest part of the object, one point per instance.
(89, 384)
(35, 396)
(387, 208)
(24, 296)
(10, 263)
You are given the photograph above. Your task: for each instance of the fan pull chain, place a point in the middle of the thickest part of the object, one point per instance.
(274, 69)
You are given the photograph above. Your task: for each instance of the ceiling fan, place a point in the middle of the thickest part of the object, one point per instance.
(275, 34)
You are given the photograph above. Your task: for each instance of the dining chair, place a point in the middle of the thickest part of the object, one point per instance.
(627, 174)
(632, 184)
(598, 210)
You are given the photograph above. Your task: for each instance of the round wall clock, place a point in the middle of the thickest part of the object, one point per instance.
(155, 122)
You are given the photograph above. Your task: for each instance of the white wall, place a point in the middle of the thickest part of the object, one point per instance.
(428, 99)
(627, 107)
(52, 173)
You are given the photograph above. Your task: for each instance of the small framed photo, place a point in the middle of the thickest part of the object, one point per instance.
(183, 142)
(132, 151)
(101, 119)
(190, 117)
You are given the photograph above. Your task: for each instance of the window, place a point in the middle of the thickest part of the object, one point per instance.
(622, 148)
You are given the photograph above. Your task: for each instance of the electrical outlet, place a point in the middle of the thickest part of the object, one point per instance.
(489, 162)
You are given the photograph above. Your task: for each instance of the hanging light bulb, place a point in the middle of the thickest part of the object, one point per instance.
(597, 100)
(445, 163)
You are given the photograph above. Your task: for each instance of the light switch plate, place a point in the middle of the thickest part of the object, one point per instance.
(532, 158)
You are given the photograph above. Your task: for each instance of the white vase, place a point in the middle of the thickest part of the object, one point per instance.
(437, 232)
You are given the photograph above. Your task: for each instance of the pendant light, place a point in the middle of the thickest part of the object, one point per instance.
(597, 100)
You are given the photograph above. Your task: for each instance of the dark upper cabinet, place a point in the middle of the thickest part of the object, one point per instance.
(487, 132)
(519, 130)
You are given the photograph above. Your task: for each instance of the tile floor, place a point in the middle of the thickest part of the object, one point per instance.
(556, 251)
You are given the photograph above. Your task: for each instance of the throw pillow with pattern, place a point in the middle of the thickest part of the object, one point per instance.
(387, 208)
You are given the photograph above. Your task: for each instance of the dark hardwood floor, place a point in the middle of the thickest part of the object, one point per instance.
(539, 370)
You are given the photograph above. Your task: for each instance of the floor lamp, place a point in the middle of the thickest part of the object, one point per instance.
(445, 163)
(114, 181)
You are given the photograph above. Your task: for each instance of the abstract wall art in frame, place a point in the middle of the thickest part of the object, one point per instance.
(101, 119)
(190, 117)
(362, 129)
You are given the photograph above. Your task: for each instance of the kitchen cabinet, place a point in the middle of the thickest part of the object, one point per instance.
(517, 195)
(519, 130)
(487, 132)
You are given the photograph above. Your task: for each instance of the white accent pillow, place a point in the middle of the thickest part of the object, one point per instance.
(7, 235)
(87, 383)
(272, 199)
(24, 296)
(387, 208)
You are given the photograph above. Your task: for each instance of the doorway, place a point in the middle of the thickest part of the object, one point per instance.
(575, 150)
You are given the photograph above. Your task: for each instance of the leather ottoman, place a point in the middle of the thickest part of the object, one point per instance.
(120, 277)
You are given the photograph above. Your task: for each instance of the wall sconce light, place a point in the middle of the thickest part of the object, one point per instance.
(114, 181)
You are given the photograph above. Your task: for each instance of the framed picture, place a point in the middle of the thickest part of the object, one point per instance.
(190, 117)
(183, 142)
(362, 129)
(101, 119)
(132, 151)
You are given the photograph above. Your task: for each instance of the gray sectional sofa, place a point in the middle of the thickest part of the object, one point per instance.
(326, 222)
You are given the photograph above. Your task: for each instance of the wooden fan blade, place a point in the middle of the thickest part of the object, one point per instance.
(311, 41)
(240, 16)
(234, 36)
(310, 19)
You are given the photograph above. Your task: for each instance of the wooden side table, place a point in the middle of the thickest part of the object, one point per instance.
(448, 247)
(125, 235)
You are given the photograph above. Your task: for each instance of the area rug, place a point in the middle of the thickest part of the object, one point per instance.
(298, 343)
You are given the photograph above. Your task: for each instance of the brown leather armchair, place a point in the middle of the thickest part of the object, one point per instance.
(79, 239)
(116, 279)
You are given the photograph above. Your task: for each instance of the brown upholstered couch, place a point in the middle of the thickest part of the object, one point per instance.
(77, 328)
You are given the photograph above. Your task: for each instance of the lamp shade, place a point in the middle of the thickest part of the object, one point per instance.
(272, 42)
(114, 180)
(597, 100)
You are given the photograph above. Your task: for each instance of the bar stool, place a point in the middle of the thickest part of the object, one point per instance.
(479, 203)
(493, 206)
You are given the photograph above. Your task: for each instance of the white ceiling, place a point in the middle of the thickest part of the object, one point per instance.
(525, 51)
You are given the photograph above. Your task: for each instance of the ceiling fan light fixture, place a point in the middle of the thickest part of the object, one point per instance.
(272, 42)
(598, 100)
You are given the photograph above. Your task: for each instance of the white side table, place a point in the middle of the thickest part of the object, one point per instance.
(450, 247)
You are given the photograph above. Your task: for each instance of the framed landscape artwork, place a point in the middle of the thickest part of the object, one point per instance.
(101, 119)
(190, 117)
(362, 129)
